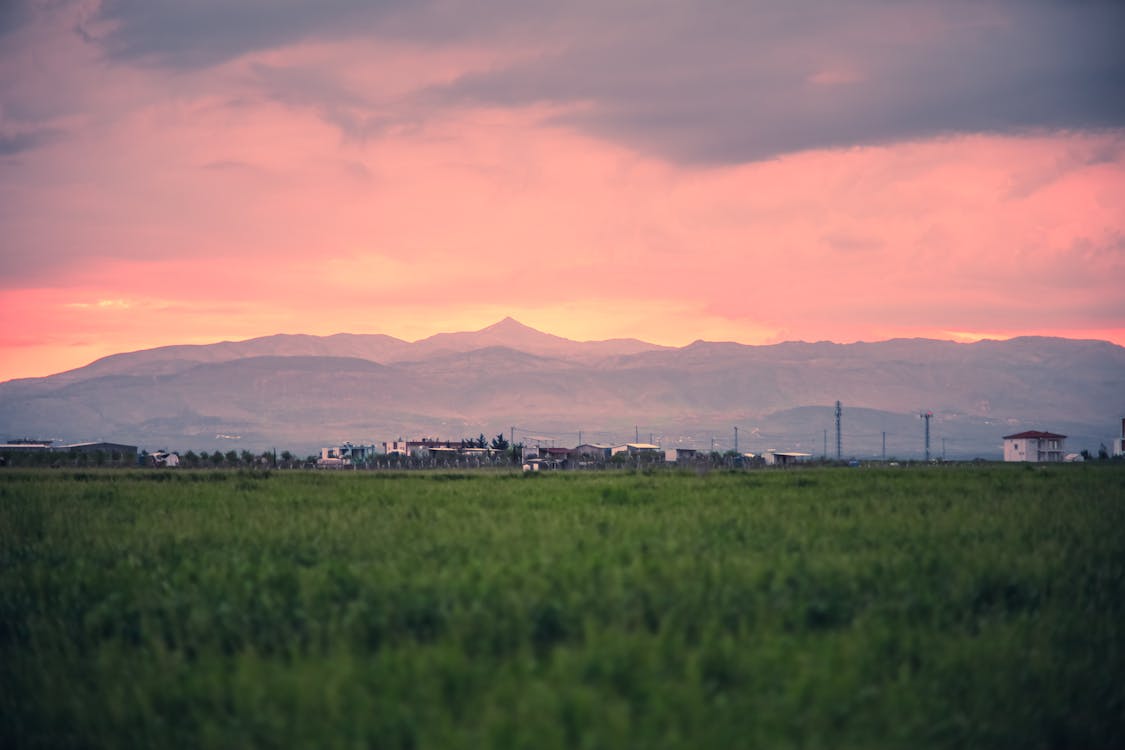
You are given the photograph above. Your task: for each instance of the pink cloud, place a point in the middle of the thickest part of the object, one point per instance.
(230, 206)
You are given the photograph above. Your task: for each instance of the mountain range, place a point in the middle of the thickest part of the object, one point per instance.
(300, 392)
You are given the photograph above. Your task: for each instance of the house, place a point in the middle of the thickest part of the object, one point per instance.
(341, 456)
(595, 451)
(396, 448)
(163, 459)
(1034, 446)
(785, 458)
(635, 449)
(426, 446)
(686, 455)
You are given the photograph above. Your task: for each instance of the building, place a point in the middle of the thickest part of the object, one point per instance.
(595, 451)
(1119, 442)
(636, 449)
(425, 447)
(114, 450)
(41, 452)
(163, 459)
(785, 458)
(685, 455)
(1034, 446)
(396, 448)
(346, 455)
(26, 446)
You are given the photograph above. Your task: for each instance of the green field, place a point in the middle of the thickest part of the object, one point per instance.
(976, 606)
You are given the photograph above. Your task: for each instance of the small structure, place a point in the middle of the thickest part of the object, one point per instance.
(425, 447)
(344, 456)
(594, 451)
(396, 448)
(1119, 442)
(164, 460)
(636, 449)
(1034, 446)
(686, 455)
(785, 458)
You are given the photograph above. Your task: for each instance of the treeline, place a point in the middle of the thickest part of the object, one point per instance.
(241, 460)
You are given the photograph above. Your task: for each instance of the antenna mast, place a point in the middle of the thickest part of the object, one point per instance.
(839, 444)
(927, 416)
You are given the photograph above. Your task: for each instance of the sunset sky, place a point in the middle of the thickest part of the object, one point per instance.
(177, 171)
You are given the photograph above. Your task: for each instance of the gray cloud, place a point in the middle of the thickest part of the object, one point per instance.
(356, 116)
(701, 82)
(201, 33)
(737, 87)
(18, 142)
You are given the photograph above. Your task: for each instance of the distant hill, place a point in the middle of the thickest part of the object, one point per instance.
(299, 391)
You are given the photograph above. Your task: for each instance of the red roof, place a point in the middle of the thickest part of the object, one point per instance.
(1034, 434)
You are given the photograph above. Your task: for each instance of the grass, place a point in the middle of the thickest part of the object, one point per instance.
(973, 606)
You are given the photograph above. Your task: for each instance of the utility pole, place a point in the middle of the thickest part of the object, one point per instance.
(824, 454)
(884, 445)
(512, 439)
(736, 440)
(636, 434)
(712, 443)
(943, 449)
(927, 416)
(580, 437)
(839, 445)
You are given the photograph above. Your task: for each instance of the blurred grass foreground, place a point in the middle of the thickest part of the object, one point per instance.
(977, 606)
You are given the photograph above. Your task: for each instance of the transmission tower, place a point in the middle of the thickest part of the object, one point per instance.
(839, 445)
(927, 416)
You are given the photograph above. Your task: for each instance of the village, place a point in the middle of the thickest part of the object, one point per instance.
(533, 455)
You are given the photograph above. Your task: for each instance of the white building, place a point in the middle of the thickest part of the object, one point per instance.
(340, 456)
(1119, 442)
(1034, 446)
(164, 459)
(397, 448)
(635, 449)
(785, 458)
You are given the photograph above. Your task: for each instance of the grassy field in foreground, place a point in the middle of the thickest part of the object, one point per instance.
(942, 607)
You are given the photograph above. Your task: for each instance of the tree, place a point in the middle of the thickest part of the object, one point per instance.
(231, 457)
(287, 459)
(482, 441)
(217, 458)
(499, 443)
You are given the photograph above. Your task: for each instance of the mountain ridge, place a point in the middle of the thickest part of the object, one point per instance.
(301, 390)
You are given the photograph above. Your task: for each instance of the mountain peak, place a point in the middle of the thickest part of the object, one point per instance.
(508, 325)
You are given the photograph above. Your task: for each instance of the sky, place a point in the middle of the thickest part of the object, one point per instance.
(188, 172)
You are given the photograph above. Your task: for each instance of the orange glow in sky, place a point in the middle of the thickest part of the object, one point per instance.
(420, 179)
